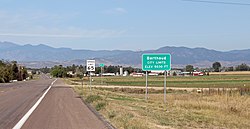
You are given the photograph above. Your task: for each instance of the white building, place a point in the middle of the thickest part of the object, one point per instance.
(125, 73)
(134, 74)
(108, 74)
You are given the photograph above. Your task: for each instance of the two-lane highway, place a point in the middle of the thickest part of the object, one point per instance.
(60, 108)
(17, 98)
(63, 109)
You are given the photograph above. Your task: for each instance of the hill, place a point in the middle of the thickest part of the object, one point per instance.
(43, 55)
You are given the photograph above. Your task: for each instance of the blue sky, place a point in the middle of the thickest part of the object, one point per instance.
(126, 24)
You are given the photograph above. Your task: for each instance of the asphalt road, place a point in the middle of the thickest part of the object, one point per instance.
(61, 108)
(17, 98)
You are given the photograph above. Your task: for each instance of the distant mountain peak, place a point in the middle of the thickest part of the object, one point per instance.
(42, 45)
(7, 45)
(180, 55)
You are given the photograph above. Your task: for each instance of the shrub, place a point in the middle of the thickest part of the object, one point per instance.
(92, 98)
(100, 106)
(111, 114)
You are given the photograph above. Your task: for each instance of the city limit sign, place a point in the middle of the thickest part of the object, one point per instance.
(156, 62)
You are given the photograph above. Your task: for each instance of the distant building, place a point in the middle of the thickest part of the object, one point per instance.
(198, 73)
(29, 72)
(71, 73)
(92, 74)
(185, 73)
(125, 73)
(134, 74)
(153, 74)
(121, 71)
(175, 72)
(108, 74)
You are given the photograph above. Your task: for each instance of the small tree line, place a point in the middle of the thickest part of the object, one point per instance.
(11, 71)
(80, 70)
(217, 67)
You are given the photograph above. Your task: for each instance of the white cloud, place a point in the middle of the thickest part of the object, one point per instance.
(41, 24)
(67, 33)
(24, 20)
(116, 11)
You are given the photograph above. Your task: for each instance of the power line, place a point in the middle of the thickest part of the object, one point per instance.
(218, 2)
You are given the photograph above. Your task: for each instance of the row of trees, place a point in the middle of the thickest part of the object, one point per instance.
(11, 71)
(242, 67)
(217, 67)
(79, 70)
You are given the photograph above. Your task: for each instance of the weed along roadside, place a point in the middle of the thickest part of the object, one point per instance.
(127, 108)
(190, 102)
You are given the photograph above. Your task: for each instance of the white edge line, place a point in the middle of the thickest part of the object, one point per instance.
(27, 115)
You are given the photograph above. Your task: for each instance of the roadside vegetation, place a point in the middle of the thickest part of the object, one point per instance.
(128, 110)
(80, 70)
(226, 105)
(212, 81)
(10, 71)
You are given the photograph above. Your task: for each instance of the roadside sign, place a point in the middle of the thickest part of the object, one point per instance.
(156, 61)
(101, 65)
(91, 65)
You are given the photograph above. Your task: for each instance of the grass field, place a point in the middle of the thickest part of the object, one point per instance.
(213, 81)
(183, 109)
(231, 73)
(126, 108)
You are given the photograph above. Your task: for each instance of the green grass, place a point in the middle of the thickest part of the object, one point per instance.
(122, 98)
(92, 98)
(213, 81)
(100, 106)
(182, 110)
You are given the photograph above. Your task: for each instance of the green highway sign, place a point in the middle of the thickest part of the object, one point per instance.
(101, 65)
(156, 61)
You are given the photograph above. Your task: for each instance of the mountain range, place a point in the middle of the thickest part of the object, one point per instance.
(42, 55)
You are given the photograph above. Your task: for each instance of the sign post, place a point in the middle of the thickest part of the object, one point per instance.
(146, 93)
(90, 68)
(165, 86)
(102, 66)
(156, 62)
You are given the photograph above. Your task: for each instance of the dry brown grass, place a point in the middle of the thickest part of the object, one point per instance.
(231, 73)
(183, 109)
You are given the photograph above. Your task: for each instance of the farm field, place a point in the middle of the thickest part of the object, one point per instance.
(128, 110)
(212, 81)
(231, 73)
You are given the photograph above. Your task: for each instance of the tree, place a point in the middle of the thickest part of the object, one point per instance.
(230, 68)
(174, 74)
(58, 71)
(242, 67)
(129, 69)
(15, 71)
(190, 68)
(111, 69)
(11, 71)
(45, 70)
(24, 73)
(97, 70)
(216, 66)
